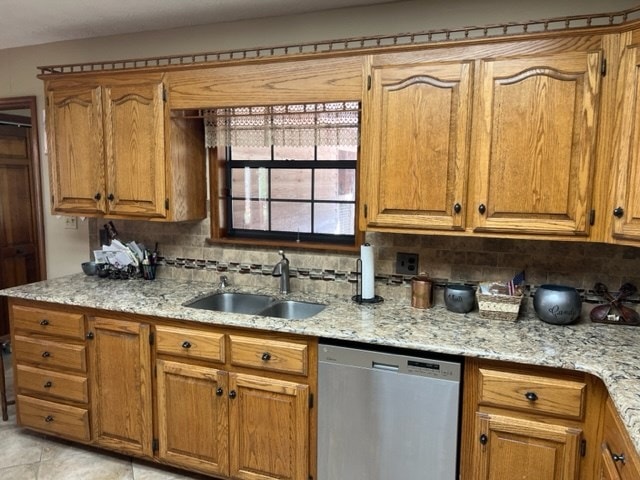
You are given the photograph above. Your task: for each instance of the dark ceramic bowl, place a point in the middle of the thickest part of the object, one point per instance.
(557, 304)
(459, 298)
(89, 268)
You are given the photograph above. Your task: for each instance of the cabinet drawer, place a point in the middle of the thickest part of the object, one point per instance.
(49, 322)
(50, 354)
(56, 384)
(55, 418)
(617, 444)
(187, 342)
(533, 393)
(279, 356)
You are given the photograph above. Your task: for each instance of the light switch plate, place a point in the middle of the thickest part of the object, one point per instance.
(71, 223)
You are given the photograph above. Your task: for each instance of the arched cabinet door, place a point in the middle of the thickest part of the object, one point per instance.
(534, 143)
(415, 151)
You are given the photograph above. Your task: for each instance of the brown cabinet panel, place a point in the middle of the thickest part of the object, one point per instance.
(51, 353)
(190, 343)
(54, 418)
(48, 322)
(265, 354)
(534, 143)
(51, 383)
(619, 458)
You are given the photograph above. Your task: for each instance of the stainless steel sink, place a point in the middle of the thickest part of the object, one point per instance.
(254, 304)
(233, 302)
(291, 309)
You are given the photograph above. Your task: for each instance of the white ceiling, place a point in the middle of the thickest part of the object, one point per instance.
(32, 22)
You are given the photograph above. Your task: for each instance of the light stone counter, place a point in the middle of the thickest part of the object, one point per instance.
(611, 353)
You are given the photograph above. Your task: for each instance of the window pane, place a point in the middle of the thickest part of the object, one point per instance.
(293, 153)
(251, 153)
(335, 184)
(253, 215)
(333, 152)
(291, 184)
(291, 217)
(250, 183)
(334, 218)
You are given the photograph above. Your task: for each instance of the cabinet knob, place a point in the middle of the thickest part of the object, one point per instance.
(44, 322)
(618, 212)
(618, 458)
(531, 396)
(186, 344)
(90, 336)
(48, 419)
(483, 439)
(111, 197)
(232, 394)
(482, 208)
(266, 356)
(457, 208)
(45, 354)
(48, 385)
(219, 391)
(97, 196)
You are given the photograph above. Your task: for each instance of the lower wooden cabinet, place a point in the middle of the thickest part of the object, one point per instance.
(121, 387)
(619, 460)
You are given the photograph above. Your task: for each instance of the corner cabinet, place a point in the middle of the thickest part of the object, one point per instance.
(534, 143)
(521, 422)
(116, 151)
(416, 120)
(619, 460)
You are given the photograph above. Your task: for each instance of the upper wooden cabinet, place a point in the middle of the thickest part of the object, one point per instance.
(534, 143)
(116, 151)
(415, 146)
(625, 207)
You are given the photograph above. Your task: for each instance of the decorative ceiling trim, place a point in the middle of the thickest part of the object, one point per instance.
(346, 45)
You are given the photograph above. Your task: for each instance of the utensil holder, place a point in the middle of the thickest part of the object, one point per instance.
(149, 272)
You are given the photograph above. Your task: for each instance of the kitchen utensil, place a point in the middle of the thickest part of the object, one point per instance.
(557, 304)
(601, 313)
(459, 298)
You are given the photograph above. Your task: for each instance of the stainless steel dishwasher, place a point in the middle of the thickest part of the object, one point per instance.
(387, 416)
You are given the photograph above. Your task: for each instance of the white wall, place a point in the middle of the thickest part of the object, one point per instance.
(66, 249)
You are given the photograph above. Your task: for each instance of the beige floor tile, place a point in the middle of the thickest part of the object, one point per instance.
(78, 464)
(147, 471)
(19, 447)
(21, 472)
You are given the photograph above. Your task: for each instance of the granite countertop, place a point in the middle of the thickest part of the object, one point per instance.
(609, 352)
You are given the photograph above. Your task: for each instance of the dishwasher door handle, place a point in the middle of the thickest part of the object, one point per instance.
(384, 366)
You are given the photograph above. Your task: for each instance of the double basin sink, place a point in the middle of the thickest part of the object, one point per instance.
(254, 304)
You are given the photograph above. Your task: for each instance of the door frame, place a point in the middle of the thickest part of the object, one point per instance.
(29, 103)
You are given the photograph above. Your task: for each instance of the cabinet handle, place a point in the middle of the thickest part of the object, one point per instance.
(531, 396)
(48, 385)
(618, 458)
(482, 208)
(232, 394)
(97, 196)
(48, 419)
(111, 197)
(186, 344)
(219, 391)
(45, 354)
(90, 336)
(618, 212)
(457, 208)
(44, 322)
(483, 439)
(266, 356)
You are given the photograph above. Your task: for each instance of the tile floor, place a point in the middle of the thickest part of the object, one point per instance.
(25, 455)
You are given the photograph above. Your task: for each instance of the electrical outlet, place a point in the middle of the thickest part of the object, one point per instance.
(71, 223)
(407, 263)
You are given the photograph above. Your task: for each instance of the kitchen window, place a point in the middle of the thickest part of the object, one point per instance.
(285, 174)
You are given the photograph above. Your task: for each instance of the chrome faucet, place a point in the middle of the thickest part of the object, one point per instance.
(224, 281)
(281, 270)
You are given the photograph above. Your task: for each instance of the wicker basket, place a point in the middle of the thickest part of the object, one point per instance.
(499, 307)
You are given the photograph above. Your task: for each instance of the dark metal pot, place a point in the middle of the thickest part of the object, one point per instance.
(459, 298)
(557, 304)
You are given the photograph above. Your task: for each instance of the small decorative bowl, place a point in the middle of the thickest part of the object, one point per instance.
(557, 304)
(90, 268)
(459, 298)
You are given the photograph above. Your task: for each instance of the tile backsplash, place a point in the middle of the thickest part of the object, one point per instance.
(186, 254)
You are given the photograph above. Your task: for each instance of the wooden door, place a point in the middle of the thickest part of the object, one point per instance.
(269, 428)
(193, 423)
(534, 143)
(134, 135)
(19, 252)
(508, 448)
(76, 153)
(415, 148)
(626, 207)
(120, 377)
